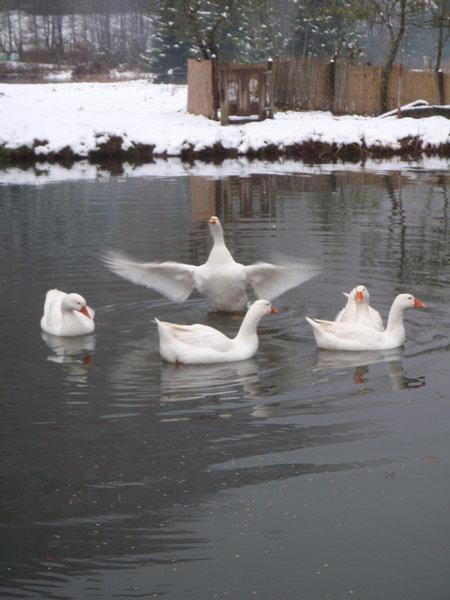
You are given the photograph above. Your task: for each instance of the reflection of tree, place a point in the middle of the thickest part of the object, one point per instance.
(421, 226)
(396, 227)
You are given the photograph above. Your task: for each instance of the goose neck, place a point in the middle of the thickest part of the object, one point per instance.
(362, 309)
(217, 235)
(249, 325)
(395, 318)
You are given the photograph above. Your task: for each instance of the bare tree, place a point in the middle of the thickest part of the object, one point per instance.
(204, 20)
(439, 22)
(393, 16)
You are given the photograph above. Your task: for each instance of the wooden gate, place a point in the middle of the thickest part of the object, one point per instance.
(239, 90)
(245, 90)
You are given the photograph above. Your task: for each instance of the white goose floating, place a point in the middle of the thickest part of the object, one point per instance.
(67, 315)
(330, 335)
(221, 279)
(201, 344)
(358, 309)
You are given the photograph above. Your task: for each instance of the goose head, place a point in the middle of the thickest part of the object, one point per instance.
(255, 313)
(404, 301)
(260, 308)
(215, 228)
(75, 302)
(361, 294)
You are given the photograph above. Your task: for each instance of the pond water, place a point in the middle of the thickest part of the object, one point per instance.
(296, 474)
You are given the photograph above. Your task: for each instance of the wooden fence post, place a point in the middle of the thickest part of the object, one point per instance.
(331, 84)
(440, 84)
(224, 104)
(270, 88)
(215, 85)
(399, 89)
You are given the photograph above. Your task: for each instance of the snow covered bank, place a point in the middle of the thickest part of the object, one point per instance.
(139, 120)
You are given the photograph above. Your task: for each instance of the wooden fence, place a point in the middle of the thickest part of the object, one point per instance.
(309, 84)
(200, 82)
(301, 84)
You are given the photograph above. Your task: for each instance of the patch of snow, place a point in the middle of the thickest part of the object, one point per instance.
(59, 76)
(127, 75)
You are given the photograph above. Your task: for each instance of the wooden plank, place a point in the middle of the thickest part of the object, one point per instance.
(200, 88)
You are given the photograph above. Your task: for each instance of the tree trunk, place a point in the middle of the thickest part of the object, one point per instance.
(35, 32)
(19, 40)
(73, 31)
(107, 27)
(10, 35)
(395, 45)
(440, 44)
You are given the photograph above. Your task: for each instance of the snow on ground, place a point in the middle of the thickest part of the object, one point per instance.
(43, 173)
(59, 75)
(82, 115)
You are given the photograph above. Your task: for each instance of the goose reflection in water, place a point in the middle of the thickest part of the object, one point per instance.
(226, 380)
(360, 361)
(74, 353)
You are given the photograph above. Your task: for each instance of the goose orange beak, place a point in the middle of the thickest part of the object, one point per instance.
(213, 220)
(419, 304)
(359, 297)
(274, 310)
(84, 311)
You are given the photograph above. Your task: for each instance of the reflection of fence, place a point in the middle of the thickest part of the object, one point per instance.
(306, 84)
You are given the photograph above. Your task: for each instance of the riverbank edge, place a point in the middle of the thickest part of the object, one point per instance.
(311, 151)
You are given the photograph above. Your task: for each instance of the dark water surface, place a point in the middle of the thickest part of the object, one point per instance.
(296, 474)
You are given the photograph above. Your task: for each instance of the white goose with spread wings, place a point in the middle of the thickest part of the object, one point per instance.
(221, 279)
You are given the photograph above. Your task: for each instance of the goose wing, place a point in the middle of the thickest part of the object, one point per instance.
(348, 331)
(376, 319)
(270, 281)
(200, 336)
(173, 280)
(342, 312)
(52, 307)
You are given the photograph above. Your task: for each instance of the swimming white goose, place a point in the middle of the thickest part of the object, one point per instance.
(66, 315)
(358, 309)
(221, 279)
(201, 344)
(355, 336)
